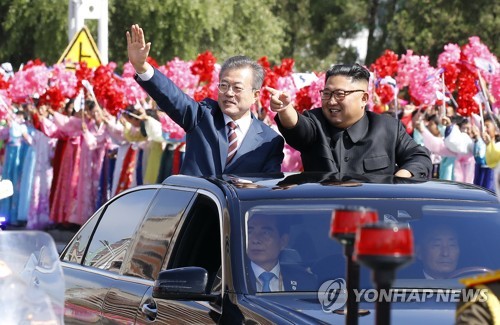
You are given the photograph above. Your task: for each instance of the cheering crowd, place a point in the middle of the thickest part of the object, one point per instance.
(87, 136)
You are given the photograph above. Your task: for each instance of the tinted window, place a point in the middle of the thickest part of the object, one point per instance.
(452, 241)
(199, 241)
(116, 229)
(156, 232)
(76, 248)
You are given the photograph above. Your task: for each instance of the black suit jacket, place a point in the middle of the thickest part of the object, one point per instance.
(295, 278)
(376, 144)
(206, 134)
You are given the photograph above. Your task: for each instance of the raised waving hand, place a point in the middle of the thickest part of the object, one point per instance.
(137, 48)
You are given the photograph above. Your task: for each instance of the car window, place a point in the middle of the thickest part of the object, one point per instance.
(76, 248)
(116, 229)
(199, 241)
(155, 233)
(451, 241)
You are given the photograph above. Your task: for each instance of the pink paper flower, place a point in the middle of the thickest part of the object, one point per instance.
(292, 161)
(64, 80)
(174, 131)
(478, 55)
(180, 73)
(29, 82)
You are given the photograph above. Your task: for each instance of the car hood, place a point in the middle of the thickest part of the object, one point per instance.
(307, 309)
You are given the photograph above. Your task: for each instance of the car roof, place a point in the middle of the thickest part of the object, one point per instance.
(333, 186)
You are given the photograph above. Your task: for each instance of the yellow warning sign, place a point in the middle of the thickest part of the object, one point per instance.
(81, 48)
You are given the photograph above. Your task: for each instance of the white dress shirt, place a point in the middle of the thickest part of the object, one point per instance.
(275, 284)
(242, 126)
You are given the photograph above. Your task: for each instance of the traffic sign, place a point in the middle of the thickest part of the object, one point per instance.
(81, 48)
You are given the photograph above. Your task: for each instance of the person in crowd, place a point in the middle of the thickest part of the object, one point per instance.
(221, 136)
(18, 140)
(267, 237)
(36, 177)
(438, 251)
(491, 139)
(433, 139)
(459, 138)
(341, 136)
(483, 174)
(78, 194)
(65, 164)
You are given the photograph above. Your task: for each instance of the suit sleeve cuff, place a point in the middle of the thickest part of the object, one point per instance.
(147, 75)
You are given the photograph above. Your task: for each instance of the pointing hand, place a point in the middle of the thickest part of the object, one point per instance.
(280, 100)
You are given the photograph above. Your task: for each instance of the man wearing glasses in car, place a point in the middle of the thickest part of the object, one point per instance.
(343, 137)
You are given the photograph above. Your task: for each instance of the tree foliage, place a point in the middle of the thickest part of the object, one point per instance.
(427, 25)
(33, 29)
(185, 28)
(313, 32)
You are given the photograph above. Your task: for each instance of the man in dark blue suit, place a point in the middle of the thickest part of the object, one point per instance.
(222, 137)
(267, 238)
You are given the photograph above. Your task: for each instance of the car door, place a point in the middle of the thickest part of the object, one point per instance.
(197, 242)
(93, 258)
(145, 256)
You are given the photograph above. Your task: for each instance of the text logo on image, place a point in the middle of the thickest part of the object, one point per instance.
(332, 295)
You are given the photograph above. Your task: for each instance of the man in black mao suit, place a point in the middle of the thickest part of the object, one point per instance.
(267, 237)
(258, 148)
(341, 136)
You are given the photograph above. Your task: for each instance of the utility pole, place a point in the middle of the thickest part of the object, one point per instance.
(79, 10)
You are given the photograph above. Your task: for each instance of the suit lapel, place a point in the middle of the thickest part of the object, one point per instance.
(289, 283)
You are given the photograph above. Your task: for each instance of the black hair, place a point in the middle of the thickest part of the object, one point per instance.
(23, 113)
(282, 224)
(433, 118)
(131, 109)
(493, 119)
(153, 113)
(354, 71)
(68, 104)
(463, 121)
(90, 104)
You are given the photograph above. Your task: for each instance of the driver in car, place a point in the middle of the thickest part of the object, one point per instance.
(267, 237)
(438, 251)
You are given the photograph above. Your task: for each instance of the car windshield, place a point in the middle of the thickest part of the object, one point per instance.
(452, 240)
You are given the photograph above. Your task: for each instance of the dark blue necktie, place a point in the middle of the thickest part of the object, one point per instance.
(266, 278)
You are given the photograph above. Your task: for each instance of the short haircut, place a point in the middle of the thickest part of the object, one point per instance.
(355, 71)
(241, 61)
(435, 228)
(281, 222)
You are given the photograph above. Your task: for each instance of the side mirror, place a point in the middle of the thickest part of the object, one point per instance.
(186, 283)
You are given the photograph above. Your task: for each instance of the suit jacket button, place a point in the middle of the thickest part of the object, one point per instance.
(346, 159)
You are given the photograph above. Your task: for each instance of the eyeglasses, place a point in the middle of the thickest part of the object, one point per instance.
(224, 88)
(337, 94)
